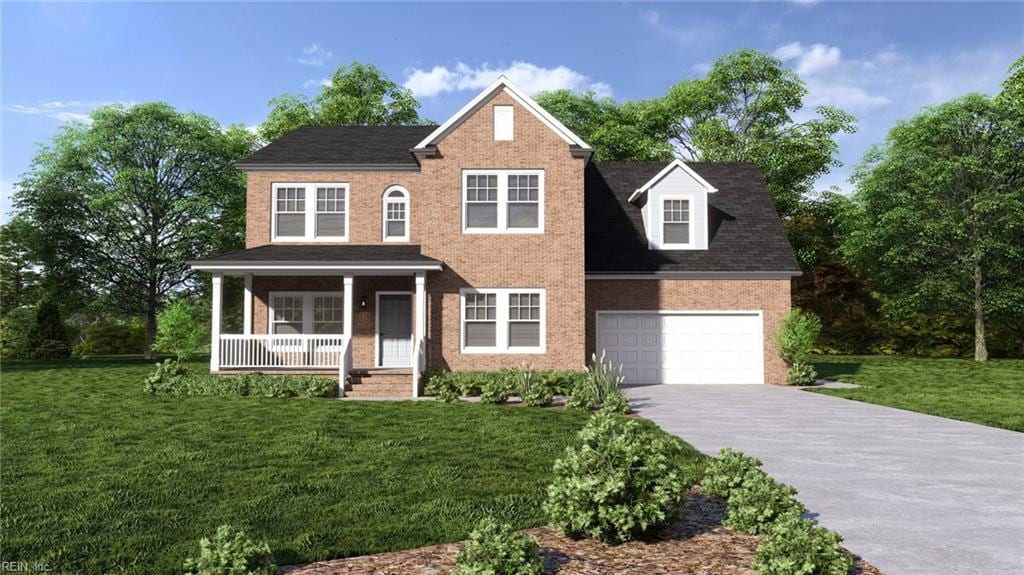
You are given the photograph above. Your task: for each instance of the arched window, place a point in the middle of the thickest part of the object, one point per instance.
(396, 214)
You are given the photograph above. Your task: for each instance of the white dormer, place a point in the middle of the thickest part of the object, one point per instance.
(674, 204)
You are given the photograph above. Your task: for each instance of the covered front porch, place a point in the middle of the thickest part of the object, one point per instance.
(357, 312)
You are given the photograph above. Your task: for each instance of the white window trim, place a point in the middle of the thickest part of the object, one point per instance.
(503, 202)
(689, 245)
(307, 309)
(407, 200)
(502, 323)
(310, 213)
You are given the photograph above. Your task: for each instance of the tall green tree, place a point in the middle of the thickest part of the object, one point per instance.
(632, 131)
(19, 276)
(941, 222)
(122, 203)
(743, 110)
(358, 94)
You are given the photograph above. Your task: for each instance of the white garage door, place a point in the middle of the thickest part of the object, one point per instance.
(683, 347)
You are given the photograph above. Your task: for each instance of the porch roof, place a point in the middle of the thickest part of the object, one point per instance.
(320, 259)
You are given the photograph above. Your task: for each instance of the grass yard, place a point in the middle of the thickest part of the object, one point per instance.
(991, 393)
(98, 477)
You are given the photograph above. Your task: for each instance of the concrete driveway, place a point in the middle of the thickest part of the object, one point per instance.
(911, 493)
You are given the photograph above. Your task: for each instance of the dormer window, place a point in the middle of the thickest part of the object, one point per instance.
(676, 229)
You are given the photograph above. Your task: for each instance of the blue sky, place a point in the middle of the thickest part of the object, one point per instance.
(879, 61)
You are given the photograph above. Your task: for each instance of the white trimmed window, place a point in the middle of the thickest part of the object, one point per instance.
(503, 201)
(676, 228)
(306, 313)
(396, 214)
(503, 320)
(309, 212)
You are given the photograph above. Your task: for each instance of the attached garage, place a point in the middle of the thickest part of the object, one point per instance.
(684, 347)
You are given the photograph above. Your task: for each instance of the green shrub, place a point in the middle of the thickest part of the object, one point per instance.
(172, 378)
(796, 546)
(48, 334)
(14, 330)
(616, 482)
(443, 386)
(797, 335)
(616, 404)
(725, 473)
(183, 328)
(801, 373)
(562, 382)
(112, 337)
(231, 552)
(495, 549)
(169, 378)
(759, 502)
(531, 388)
(496, 390)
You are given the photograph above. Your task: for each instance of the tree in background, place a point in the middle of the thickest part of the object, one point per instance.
(743, 110)
(48, 335)
(19, 279)
(359, 94)
(940, 223)
(618, 132)
(121, 204)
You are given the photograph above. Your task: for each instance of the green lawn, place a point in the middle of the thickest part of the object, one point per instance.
(99, 477)
(989, 393)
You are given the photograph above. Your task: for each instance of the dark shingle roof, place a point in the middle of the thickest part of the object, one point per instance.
(277, 253)
(745, 233)
(342, 145)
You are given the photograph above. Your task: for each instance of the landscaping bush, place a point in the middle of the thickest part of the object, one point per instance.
(496, 389)
(616, 482)
(172, 378)
(797, 335)
(183, 328)
(796, 546)
(562, 382)
(231, 552)
(602, 385)
(616, 404)
(759, 502)
(48, 335)
(531, 388)
(495, 549)
(14, 334)
(801, 373)
(112, 337)
(449, 386)
(725, 473)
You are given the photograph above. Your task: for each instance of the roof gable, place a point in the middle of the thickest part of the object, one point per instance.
(676, 164)
(520, 97)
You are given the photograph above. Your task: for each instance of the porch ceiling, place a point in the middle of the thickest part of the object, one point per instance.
(310, 259)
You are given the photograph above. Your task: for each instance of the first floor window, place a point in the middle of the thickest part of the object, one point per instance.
(295, 313)
(503, 320)
(676, 222)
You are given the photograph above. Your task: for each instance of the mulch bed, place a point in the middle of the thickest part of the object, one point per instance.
(698, 545)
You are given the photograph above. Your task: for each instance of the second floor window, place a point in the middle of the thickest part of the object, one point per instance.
(396, 215)
(310, 212)
(503, 201)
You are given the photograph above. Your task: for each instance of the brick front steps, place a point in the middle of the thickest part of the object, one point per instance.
(379, 382)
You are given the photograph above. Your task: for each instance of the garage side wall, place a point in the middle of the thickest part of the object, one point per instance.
(771, 297)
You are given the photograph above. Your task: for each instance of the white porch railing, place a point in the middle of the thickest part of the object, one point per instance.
(277, 351)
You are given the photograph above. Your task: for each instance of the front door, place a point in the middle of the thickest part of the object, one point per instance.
(394, 330)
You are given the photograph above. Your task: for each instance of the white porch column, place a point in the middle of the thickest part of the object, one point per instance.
(347, 283)
(247, 306)
(215, 323)
(420, 329)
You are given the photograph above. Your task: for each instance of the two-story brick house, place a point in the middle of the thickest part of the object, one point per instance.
(494, 241)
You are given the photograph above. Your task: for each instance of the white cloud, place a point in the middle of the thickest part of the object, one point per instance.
(313, 82)
(681, 36)
(314, 55)
(805, 2)
(530, 77)
(61, 110)
(809, 59)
